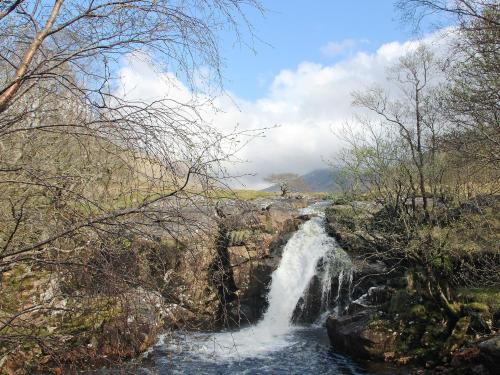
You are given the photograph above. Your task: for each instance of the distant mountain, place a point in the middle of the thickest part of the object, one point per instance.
(319, 180)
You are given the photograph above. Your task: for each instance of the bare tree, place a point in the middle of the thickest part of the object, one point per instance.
(415, 11)
(67, 52)
(92, 184)
(414, 112)
(287, 182)
(405, 152)
(472, 98)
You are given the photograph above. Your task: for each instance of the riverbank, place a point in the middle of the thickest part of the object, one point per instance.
(394, 318)
(383, 312)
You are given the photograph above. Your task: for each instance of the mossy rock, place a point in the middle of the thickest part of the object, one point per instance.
(481, 318)
(410, 338)
(433, 336)
(480, 297)
(477, 307)
(238, 237)
(458, 335)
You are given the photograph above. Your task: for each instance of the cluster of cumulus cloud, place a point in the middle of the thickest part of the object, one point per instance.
(304, 109)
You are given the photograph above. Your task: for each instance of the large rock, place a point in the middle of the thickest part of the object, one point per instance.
(367, 274)
(359, 336)
(490, 352)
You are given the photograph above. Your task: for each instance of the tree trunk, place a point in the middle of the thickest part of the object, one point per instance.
(8, 93)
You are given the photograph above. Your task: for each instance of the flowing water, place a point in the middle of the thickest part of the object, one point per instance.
(274, 345)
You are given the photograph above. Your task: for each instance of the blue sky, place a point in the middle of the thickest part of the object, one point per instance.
(299, 82)
(296, 30)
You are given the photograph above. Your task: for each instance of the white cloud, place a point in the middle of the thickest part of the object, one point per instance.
(307, 103)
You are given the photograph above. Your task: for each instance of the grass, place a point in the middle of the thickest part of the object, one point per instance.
(246, 195)
(488, 296)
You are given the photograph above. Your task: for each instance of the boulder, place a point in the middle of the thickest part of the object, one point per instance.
(357, 336)
(490, 352)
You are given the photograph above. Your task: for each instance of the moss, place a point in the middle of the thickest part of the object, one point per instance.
(376, 322)
(238, 237)
(459, 334)
(418, 312)
(126, 243)
(433, 335)
(485, 296)
(90, 317)
(18, 285)
(477, 307)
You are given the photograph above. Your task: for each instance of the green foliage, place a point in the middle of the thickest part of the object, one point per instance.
(342, 200)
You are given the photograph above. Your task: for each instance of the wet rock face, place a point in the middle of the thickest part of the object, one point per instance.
(308, 308)
(221, 274)
(329, 289)
(256, 245)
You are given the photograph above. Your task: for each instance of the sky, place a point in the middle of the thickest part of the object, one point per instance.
(293, 31)
(296, 81)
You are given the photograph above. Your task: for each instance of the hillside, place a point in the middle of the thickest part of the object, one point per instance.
(319, 180)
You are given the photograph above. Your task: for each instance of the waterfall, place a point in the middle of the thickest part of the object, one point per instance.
(290, 281)
(329, 290)
(297, 267)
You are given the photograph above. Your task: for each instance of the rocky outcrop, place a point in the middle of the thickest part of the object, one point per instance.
(90, 318)
(256, 253)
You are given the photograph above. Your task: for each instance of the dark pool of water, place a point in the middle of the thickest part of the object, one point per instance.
(309, 353)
